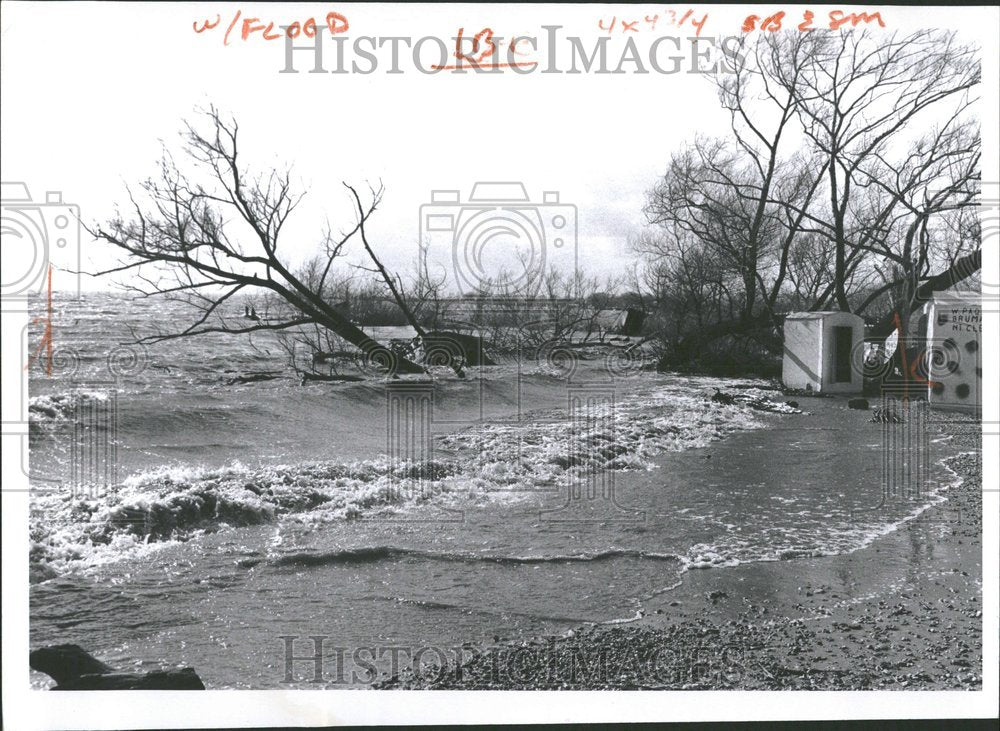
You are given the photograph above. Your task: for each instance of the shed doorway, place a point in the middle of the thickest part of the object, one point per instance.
(842, 343)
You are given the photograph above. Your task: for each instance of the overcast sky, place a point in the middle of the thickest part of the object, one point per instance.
(91, 90)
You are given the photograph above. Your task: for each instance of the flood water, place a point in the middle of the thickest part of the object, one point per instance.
(177, 519)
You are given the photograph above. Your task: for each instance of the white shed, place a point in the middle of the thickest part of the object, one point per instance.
(823, 352)
(951, 359)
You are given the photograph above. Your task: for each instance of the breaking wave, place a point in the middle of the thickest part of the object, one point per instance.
(483, 463)
(59, 407)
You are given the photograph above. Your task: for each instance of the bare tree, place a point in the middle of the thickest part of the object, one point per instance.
(856, 95)
(207, 237)
(426, 293)
(762, 97)
(940, 174)
(740, 200)
(824, 193)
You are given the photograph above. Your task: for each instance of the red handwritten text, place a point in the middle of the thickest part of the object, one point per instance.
(46, 343)
(628, 24)
(483, 52)
(270, 31)
(835, 20)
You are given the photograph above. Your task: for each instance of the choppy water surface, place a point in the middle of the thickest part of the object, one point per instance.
(240, 514)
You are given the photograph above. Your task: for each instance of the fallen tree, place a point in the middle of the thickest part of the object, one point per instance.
(205, 237)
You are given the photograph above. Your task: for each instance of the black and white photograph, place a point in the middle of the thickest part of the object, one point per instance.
(524, 347)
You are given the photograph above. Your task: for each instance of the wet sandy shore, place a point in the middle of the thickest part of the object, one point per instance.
(903, 613)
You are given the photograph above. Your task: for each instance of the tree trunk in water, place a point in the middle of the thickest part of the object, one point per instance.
(374, 352)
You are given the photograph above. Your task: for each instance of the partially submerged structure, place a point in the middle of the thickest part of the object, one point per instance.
(620, 322)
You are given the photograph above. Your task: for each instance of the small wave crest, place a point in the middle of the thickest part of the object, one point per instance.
(60, 406)
(601, 435)
(371, 554)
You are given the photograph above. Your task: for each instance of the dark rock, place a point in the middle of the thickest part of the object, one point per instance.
(65, 662)
(723, 398)
(183, 679)
(73, 668)
(858, 403)
(793, 404)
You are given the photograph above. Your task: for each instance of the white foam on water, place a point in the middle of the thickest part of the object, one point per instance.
(839, 536)
(60, 406)
(480, 465)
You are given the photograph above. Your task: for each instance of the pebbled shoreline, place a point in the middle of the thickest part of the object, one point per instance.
(904, 613)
